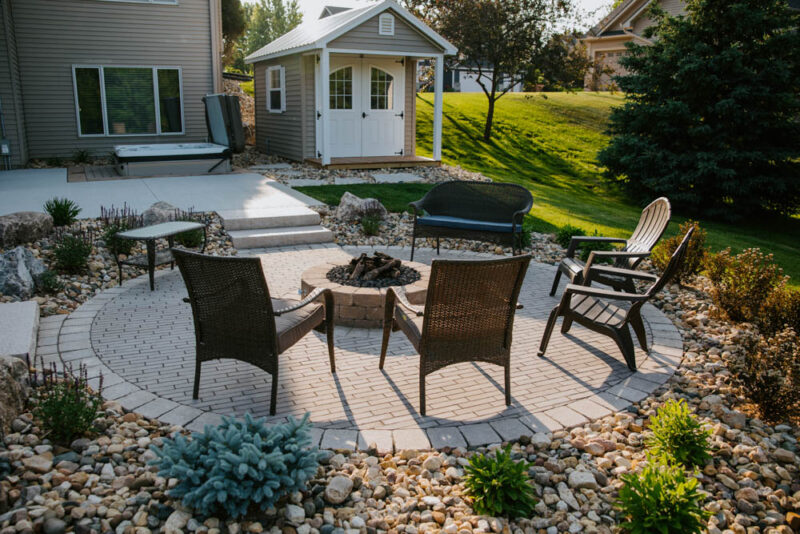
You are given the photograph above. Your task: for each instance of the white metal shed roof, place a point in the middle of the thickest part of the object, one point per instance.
(316, 33)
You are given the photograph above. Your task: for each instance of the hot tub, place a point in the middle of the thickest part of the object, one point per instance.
(172, 158)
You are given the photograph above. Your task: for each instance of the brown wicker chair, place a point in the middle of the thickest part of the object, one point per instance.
(468, 316)
(652, 224)
(610, 312)
(234, 316)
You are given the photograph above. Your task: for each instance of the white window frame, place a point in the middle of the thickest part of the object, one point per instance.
(104, 109)
(281, 88)
(386, 17)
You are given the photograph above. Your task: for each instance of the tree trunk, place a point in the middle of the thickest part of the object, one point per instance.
(487, 129)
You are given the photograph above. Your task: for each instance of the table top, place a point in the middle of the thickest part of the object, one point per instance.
(161, 230)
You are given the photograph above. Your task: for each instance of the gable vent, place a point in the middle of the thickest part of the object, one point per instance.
(386, 24)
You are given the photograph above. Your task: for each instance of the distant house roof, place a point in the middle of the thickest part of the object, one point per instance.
(314, 34)
(609, 19)
(327, 11)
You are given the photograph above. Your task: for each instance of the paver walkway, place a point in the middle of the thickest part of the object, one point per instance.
(143, 343)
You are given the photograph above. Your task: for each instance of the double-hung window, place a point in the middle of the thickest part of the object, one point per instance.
(276, 89)
(114, 101)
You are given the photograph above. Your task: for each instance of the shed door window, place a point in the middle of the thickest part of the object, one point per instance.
(276, 89)
(381, 89)
(341, 88)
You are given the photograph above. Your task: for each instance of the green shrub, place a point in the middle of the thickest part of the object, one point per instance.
(190, 239)
(678, 436)
(49, 282)
(72, 253)
(65, 404)
(81, 156)
(661, 498)
(565, 233)
(742, 283)
(587, 248)
(63, 211)
(768, 373)
(117, 245)
(238, 465)
(781, 309)
(371, 225)
(54, 162)
(695, 251)
(499, 486)
(525, 237)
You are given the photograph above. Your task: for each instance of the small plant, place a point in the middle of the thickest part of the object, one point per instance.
(63, 211)
(587, 248)
(695, 251)
(54, 162)
(661, 498)
(678, 436)
(117, 245)
(769, 374)
(72, 253)
(49, 283)
(499, 486)
(81, 156)
(192, 238)
(742, 283)
(117, 220)
(565, 233)
(525, 237)
(238, 465)
(781, 309)
(64, 402)
(370, 225)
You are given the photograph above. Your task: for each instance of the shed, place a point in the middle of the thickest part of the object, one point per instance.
(339, 91)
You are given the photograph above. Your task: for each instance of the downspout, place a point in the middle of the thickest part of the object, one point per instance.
(215, 12)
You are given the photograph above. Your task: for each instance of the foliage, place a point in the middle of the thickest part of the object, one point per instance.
(782, 308)
(268, 20)
(192, 238)
(742, 283)
(711, 113)
(49, 283)
(695, 251)
(117, 245)
(72, 253)
(63, 211)
(678, 436)
(563, 63)
(371, 224)
(527, 229)
(54, 161)
(769, 374)
(234, 24)
(64, 402)
(117, 220)
(81, 156)
(587, 248)
(565, 234)
(238, 465)
(661, 498)
(499, 486)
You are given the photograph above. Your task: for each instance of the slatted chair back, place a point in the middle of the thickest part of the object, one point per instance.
(484, 201)
(652, 224)
(233, 315)
(469, 311)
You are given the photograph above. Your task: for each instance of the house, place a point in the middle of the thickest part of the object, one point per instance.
(461, 79)
(605, 42)
(91, 74)
(341, 89)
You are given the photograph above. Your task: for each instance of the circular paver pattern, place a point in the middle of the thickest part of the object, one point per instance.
(143, 343)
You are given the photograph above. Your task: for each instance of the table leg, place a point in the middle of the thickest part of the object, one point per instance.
(151, 262)
(171, 242)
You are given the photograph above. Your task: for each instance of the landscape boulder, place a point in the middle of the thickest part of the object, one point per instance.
(20, 273)
(24, 227)
(158, 213)
(352, 208)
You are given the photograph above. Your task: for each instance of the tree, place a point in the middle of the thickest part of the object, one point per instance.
(711, 115)
(499, 41)
(562, 64)
(234, 25)
(268, 20)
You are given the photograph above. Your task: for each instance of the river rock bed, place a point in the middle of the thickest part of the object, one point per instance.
(294, 171)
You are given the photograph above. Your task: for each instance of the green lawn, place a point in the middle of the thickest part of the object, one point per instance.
(548, 143)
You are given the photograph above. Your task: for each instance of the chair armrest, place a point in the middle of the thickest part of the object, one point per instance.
(610, 254)
(619, 271)
(574, 289)
(400, 294)
(314, 295)
(417, 206)
(578, 239)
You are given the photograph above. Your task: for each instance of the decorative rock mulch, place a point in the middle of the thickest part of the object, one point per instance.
(101, 272)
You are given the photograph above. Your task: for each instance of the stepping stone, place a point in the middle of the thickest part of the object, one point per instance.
(19, 324)
(270, 167)
(446, 437)
(349, 181)
(396, 178)
(290, 172)
(305, 182)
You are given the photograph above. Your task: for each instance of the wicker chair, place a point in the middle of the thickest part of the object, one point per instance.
(468, 316)
(472, 210)
(610, 312)
(234, 316)
(654, 220)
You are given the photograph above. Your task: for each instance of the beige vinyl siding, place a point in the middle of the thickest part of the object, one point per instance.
(280, 133)
(309, 107)
(405, 39)
(410, 114)
(52, 36)
(10, 90)
(673, 7)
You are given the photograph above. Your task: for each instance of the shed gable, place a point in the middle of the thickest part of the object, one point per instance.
(367, 37)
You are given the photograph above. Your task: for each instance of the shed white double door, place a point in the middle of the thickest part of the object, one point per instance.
(367, 106)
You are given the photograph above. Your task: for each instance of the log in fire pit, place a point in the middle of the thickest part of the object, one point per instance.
(359, 287)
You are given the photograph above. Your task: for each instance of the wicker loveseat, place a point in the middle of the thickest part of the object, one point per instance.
(481, 211)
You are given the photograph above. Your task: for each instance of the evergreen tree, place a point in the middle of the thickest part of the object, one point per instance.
(711, 118)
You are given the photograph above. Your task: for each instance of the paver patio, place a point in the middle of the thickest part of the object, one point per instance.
(143, 344)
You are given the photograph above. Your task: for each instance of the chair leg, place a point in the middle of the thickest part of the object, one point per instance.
(566, 325)
(329, 326)
(551, 322)
(388, 324)
(437, 245)
(273, 396)
(555, 283)
(413, 240)
(638, 328)
(508, 383)
(196, 391)
(625, 344)
(421, 393)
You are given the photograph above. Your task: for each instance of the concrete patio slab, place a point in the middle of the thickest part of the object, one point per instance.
(396, 178)
(19, 323)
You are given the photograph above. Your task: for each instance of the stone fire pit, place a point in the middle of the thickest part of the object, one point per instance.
(362, 307)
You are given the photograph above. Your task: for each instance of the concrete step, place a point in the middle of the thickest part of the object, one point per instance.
(254, 219)
(19, 327)
(279, 237)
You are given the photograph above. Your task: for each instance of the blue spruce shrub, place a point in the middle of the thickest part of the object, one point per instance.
(238, 464)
